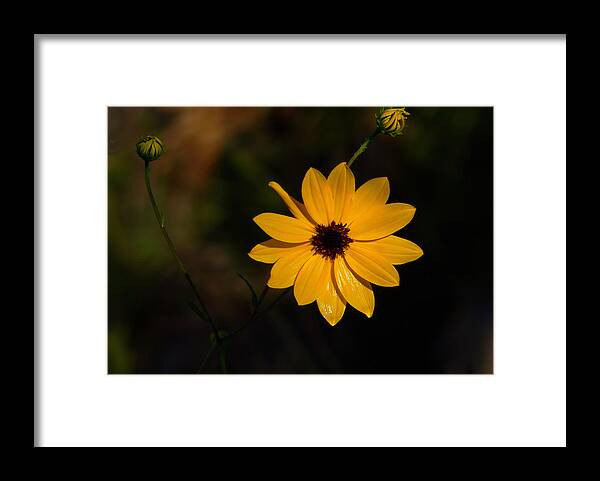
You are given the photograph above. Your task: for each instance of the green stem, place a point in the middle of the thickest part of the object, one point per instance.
(363, 146)
(223, 360)
(161, 222)
(207, 358)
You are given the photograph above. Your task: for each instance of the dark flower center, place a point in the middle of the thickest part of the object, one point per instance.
(330, 240)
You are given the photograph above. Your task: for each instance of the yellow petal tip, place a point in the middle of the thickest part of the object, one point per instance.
(257, 259)
(273, 285)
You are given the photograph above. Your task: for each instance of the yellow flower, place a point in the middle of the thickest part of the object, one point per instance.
(338, 243)
(391, 120)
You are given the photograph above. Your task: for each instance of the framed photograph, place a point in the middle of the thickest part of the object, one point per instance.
(268, 241)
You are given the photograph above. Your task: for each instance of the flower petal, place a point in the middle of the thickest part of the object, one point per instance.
(381, 221)
(285, 270)
(284, 228)
(311, 279)
(317, 197)
(341, 183)
(372, 193)
(272, 250)
(296, 208)
(331, 303)
(358, 292)
(394, 249)
(371, 266)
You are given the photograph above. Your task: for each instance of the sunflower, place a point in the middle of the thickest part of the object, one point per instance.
(338, 243)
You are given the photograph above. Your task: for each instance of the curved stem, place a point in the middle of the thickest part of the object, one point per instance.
(161, 222)
(363, 146)
(223, 360)
(207, 358)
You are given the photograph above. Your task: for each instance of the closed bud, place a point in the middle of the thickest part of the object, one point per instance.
(150, 148)
(391, 120)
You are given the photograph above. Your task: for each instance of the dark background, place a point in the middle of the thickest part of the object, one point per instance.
(211, 183)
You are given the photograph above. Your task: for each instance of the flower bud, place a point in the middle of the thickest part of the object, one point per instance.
(391, 120)
(150, 148)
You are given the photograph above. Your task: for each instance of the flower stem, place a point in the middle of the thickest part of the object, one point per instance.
(161, 222)
(223, 360)
(363, 146)
(207, 357)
